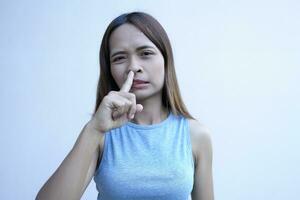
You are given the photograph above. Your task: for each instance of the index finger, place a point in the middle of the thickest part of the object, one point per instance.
(128, 83)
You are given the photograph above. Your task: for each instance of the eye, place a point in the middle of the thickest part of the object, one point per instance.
(146, 53)
(118, 58)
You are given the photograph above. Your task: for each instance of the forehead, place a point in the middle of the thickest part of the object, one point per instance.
(127, 36)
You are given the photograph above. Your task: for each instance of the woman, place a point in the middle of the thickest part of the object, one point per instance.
(141, 142)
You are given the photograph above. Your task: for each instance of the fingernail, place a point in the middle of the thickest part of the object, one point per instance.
(132, 116)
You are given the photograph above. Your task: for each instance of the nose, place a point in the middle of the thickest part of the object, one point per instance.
(134, 65)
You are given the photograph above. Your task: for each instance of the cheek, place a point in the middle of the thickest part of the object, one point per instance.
(117, 76)
(159, 71)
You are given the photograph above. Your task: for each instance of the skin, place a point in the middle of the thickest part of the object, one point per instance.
(148, 64)
(203, 157)
(72, 177)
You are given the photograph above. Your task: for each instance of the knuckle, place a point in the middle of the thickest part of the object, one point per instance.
(132, 95)
(111, 93)
(129, 103)
(106, 98)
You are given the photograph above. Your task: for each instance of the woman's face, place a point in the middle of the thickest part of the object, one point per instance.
(130, 49)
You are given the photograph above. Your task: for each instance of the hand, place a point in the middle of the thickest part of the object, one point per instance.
(116, 108)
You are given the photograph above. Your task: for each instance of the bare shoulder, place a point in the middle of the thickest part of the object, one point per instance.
(200, 139)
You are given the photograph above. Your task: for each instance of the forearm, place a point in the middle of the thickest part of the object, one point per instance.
(67, 181)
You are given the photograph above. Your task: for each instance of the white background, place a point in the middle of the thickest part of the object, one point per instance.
(238, 67)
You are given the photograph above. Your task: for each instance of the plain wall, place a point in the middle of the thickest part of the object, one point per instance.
(238, 67)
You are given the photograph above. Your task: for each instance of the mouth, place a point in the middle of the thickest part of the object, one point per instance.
(139, 85)
(139, 82)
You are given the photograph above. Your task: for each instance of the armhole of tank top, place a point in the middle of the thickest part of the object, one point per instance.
(190, 142)
(103, 154)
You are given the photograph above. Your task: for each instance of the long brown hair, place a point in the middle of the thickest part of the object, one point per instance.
(171, 96)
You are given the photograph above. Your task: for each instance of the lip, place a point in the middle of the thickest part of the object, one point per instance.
(140, 85)
(138, 81)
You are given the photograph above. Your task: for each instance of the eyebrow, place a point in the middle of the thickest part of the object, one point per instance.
(137, 49)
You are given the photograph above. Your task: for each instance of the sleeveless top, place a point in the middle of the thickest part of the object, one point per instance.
(147, 162)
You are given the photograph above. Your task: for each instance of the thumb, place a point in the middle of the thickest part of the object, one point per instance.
(139, 107)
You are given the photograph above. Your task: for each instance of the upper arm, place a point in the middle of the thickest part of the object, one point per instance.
(203, 177)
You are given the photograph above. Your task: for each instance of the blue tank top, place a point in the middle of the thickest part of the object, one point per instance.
(146, 162)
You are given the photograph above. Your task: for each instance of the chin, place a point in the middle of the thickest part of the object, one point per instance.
(141, 96)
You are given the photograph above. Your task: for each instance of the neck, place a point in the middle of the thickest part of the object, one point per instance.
(153, 112)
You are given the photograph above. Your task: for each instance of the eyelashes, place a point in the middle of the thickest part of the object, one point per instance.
(144, 54)
(118, 58)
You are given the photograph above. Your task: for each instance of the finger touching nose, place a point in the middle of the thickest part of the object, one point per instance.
(128, 82)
